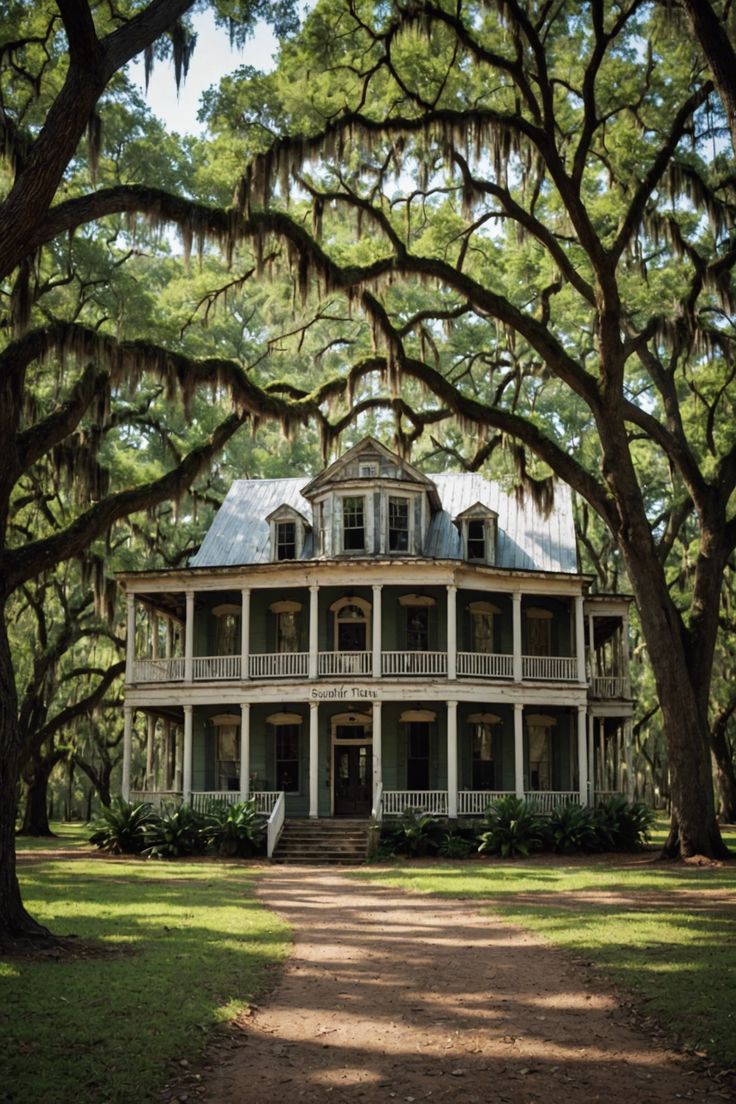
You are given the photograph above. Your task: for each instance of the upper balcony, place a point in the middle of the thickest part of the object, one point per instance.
(375, 632)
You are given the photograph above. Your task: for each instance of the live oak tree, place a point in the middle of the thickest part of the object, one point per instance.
(556, 184)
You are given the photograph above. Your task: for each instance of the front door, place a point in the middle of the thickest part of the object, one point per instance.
(352, 772)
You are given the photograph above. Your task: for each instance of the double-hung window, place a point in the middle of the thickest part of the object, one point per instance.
(353, 523)
(398, 524)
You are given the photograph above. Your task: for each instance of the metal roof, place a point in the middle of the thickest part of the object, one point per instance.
(527, 540)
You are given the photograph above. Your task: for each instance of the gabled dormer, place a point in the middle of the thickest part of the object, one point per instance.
(371, 502)
(289, 529)
(478, 527)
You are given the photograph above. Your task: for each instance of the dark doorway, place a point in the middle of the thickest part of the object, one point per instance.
(352, 772)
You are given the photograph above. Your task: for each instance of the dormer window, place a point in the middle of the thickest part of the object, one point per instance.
(353, 524)
(398, 524)
(478, 530)
(368, 471)
(476, 540)
(285, 540)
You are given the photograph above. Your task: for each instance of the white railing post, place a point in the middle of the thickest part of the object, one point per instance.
(189, 636)
(591, 759)
(187, 779)
(377, 629)
(150, 733)
(626, 673)
(127, 749)
(580, 637)
(314, 759)
(245, 632)
(583, 754)
(628, 759)
(275, 823)
(519, 749)
(130, 641)
(244, 751)
(591, 646)
(377, 754)
(452, 759)
(451, 631)
(516, 624)
(313, 630)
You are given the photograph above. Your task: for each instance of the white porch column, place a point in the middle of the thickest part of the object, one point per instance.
(580, 638)
(452, 759)
(187, 779)
(150, 733)
(313, 631)
(516, 623)
(519, 749)
(625, 653)
(591, 759)
(629, 759)
(313, 759)
(189, 637)
(130, 639)
(377, 630)
(452, 633)
(127, 749)
(244, 751)
(244, 634)
(591, 647)
(377, 753)
(583, 753)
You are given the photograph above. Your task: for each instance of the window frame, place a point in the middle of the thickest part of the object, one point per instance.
(344, 499)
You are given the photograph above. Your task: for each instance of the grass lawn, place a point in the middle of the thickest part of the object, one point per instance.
(65, 837)
(190, 948)
(665, 934)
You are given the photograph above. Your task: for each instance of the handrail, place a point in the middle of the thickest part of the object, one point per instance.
(275, 823)
(377, 810)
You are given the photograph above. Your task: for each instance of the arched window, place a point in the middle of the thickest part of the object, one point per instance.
(288, 624)
(482, 626)
(352, 632)
(539, 739)
(227, 633)
(417, 612)
(418, 733)
(539, 631)
(227, 750)
(484, 749)
(286, 729)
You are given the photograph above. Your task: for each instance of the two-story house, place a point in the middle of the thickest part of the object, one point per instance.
(374, 639)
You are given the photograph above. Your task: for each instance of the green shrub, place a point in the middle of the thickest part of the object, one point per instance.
(455, 844)
(415, 833)
(571, 828)
(514, 827)
(178, 832)
(121, 828)
(235, 829)
(623, 825)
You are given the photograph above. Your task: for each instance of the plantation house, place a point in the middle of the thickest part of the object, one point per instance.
(372, 640)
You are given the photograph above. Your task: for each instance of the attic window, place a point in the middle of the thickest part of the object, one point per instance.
(398, 524)
(353, 524)
(477, 539)
(285, 540)
(368, 471)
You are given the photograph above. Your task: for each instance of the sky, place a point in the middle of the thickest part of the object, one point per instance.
(212, 59)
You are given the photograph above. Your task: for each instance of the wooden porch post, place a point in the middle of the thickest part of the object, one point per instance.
(244, 637)
(519, 747)
(189, 643)
(150, 734)
(313, 631)
(377, 630)
(452, 634)
(583, 753)
(127, 749)
(580, 638)
(244, 751)
(187, 782)
(629, 759)
(130, 641)
(313, 758)
(591, 759)
(516, 611)
(377, 751)
(452, 759)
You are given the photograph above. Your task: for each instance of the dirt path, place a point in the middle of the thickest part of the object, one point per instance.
(395, 997)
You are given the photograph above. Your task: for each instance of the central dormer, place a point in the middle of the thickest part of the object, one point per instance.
(370, 502)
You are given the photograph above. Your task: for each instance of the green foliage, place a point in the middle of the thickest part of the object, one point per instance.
(457, 844)
(570, 828)
(514, 828)
(177, 832)
(235, 829)
(623, 825)
(121, 828)
(414, 834)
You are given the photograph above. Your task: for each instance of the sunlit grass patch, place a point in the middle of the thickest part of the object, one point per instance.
(187, 947)
(663, 933)
(65, 837)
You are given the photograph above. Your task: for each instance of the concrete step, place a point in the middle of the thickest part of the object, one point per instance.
(322, 841)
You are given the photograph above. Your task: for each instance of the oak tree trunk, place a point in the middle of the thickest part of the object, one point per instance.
(35, 814)
(725, 776)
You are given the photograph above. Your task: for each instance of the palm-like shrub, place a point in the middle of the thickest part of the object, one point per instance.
(455, 844)
(514, 827)
(237, 829)
(178, 832)
(415, 833)
(571, 828)
(121, 828)
(623, 825)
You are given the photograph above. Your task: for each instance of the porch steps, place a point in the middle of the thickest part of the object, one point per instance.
(333, 841)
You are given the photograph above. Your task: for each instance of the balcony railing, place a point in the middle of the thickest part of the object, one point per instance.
(547, 801)
(549, 668)
(345, 663)
(396, 802)
(485, 665)
(212, 668)
(474, 802)
(279, 665)
(158, 670)
(414, 663)
(609, 686)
